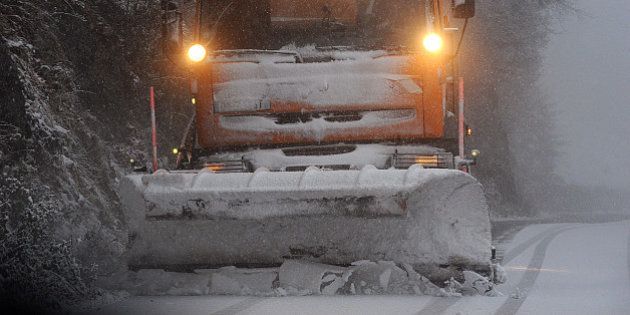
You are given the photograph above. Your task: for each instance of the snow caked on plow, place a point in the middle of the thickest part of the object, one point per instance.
(434, 220)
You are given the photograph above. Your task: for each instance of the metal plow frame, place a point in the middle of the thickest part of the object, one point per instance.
(417, 216)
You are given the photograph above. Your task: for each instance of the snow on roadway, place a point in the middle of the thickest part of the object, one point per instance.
(552, 269)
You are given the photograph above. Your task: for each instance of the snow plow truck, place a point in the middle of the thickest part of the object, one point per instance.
(324, 130)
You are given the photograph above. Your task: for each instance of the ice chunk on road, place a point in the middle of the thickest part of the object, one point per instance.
(475, 284)
(313, 277)
(422, 285)
(362, 277)
(377, 278)
(499, 275)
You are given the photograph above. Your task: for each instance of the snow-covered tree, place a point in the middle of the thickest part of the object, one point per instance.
(502, 59)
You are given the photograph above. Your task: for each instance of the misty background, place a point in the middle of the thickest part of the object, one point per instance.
(587, 78)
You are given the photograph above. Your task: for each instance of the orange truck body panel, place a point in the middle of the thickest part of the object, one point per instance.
(427, 123)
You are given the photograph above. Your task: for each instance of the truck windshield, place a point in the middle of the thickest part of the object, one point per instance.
(277, 24)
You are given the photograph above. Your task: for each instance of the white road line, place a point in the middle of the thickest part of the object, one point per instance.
(238, 307)
(511, 305)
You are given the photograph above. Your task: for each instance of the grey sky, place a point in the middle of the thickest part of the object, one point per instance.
(587, 76)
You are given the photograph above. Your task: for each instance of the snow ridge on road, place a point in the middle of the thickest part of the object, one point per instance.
(512, 305)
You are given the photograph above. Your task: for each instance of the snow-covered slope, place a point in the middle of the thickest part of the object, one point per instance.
(66, 127)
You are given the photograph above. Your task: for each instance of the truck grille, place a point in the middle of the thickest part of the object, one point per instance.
(319, 150)
(295, 118)
(301, 168)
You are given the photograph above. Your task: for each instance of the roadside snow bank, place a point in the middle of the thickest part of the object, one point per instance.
(298, 278)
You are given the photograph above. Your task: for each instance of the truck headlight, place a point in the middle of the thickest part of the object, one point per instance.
(197, 53)
(433, 43)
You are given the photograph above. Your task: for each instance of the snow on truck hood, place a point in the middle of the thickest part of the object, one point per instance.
(317, 127)
(251, 86)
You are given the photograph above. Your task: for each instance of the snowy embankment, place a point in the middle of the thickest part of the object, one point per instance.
(299, 278)
(71, 111)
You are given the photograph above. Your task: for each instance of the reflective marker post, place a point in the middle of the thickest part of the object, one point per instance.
(153, 129)
(462, 124)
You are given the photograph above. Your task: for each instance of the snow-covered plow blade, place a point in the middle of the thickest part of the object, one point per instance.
(417, 216)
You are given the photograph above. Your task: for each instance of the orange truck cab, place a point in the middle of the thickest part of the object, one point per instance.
(286, 84)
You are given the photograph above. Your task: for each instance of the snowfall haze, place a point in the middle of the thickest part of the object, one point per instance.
(587, 77)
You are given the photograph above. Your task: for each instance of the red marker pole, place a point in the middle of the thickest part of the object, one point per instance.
(462, 126)
(153, 129)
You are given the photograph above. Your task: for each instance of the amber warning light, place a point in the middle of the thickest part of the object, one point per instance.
(215, 167)
(433, 43)
(197, 53)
